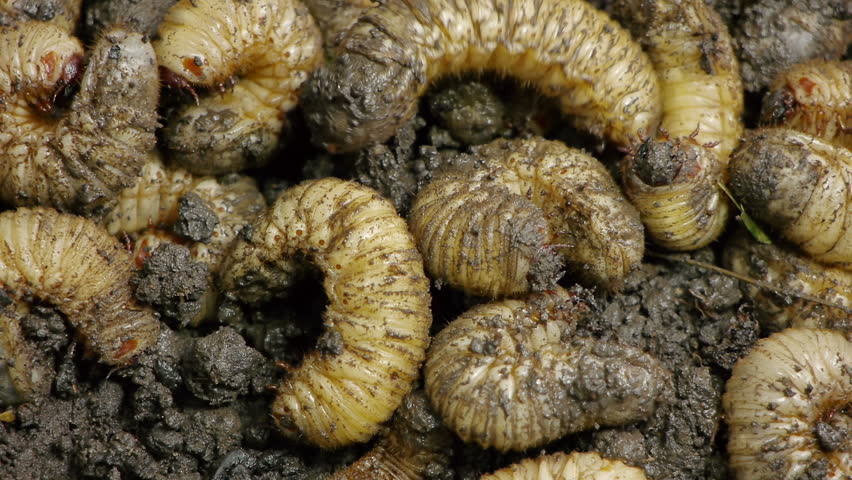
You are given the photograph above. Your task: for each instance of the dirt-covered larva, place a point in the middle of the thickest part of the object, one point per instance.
(511, 375)
(25, 373)
(378, 312)
(62, 13)
(799, 185)
(493, 228)
(563, 466)
(788, 405)
(144, 17)
(78, 267)
(80, 161)
(815, 98)
(567, 48)
(269, 46)
(335, 17)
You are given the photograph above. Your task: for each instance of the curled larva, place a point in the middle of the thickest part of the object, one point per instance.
(415, 446)
(779, 266)
(815, 98)
(563, 466)
(493, 228)
(800, 186)
(62, 13)
(566, 48)
(81, 160)
(78, 267)
(269, 47)
(378, 317)
(25, 373)
(511, 375)
(788, 405)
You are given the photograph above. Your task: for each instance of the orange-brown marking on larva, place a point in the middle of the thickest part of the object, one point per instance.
(192, 65)
(807, 84)
(127, 346)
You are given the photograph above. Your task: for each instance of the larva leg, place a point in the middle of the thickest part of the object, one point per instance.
(268, 46)
(566, 48)
(801, 187)
(788, 407)
(78, 267)
(585, 465)
(378, 304)
(481, 366)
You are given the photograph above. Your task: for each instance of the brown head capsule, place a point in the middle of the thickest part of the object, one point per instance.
(81, 160)
(566, 48)
(378, 312)
(493, 228)
(800, 186)
(257, 54)
(815, 98)
(78, 267)
(789, 407)
(510, 375)
(563, 466)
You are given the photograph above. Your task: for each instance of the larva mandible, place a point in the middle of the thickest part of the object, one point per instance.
(777, 265)
(563, 466)
(510, 375)
(80, 161)
(674, 183)
(25, 372)
(788, 407)
(815, 98)
(62, 13)
(379, 305)
(270, 46)
(488, 229)
(85, 273)
(799, 185)
(566, 48)
(416, 446)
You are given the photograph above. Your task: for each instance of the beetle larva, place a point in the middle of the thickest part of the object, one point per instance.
(488, 229)
(566, 48)
(62, 13)
(335, 17)
(83, 159)
(379, 305)
(788, 407)
(416, 446)
(799, 185)
(563, 466)
(78, 267)
(270, 45)
(25, 373)
(813, 97)
(776, 265)
(511, 375)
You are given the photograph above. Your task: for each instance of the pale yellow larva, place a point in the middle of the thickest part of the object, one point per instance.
(62, 13)
(80, 161)
(268, 46)
(788, 408)
(563, 466)
(379, 305)
(566, 48)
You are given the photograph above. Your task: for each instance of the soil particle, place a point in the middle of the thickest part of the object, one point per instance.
(195, 220)
(471, 112)
(142, 16)
(244, 464)
(172, 282)
(46, 328)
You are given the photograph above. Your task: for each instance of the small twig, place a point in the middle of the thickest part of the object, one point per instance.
(743, 278)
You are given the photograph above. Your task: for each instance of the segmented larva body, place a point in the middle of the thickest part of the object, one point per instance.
(488, 229)
(270, 45)
(563, 466)
(82, 160)
(702, 96)
(379, 305)
(62, 13)
(85, 273)
(566, 48)
(813, 97)
(509, 375)
(800, 186)
(788, 405)
(25, 373)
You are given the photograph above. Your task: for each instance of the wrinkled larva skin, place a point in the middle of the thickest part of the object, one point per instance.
(334, 17)
(566, 48)
(813, 97)
(80, 161)
(589, 222)
(25, 373)
(75, 265)
(776, 265)
(62, 13)
(416, 446)
(379, 305)
(801, 187)
(510, 375)
(271, 46)
(563, 466)
(788, 405)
